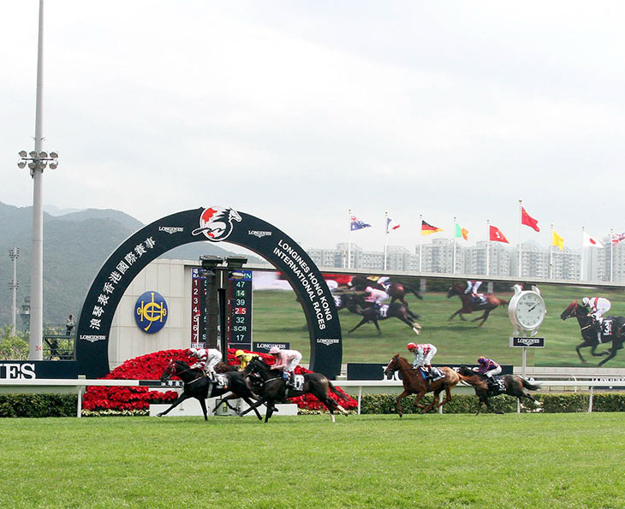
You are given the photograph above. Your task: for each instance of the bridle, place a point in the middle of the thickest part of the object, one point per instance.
(172, 371)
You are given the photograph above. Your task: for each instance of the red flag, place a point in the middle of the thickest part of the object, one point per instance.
(528, 220)
(497, 236)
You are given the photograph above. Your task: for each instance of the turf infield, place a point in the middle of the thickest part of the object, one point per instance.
(526, 460)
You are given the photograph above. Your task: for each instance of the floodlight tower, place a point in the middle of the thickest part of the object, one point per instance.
(37, 161)
(14, 254)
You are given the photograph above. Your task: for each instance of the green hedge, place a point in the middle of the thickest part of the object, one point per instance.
(551, 403)
(38, 405)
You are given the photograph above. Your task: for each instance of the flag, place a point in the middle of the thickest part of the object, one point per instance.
(617, 237)
(556, 240)
(589, 241)
(462, 232)
(391, 225)
(528, 220)
(357, 224)
(427, 229)
(497, 236)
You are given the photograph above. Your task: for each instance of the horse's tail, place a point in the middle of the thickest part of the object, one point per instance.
(529, 385)
(503, 302)
(338, 393)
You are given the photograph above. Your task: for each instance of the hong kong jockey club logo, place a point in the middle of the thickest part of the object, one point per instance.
(216, 223)
(151, 312)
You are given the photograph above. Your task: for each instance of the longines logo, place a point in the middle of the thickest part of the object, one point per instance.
(92, 338)
(527, 342)
(259, 234)
(171, 229)
(328, 341)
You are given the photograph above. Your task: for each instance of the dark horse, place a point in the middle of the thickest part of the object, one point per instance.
(394, 289)
(415, 384)
(513, 385)
(589, 332)
(393, 310)
(197, 385)
(469, 305)
(272, 388)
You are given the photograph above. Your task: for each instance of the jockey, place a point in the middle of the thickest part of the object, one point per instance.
(472, 288)
(488, 367)
(423, 355)
(244, 358)
(598, 306)
(286, 361)
(375, 296)
(207, 359)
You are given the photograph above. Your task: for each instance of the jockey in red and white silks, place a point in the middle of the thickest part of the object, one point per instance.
(375, 296)
(423, 354)
(207, 359)
(598, 306)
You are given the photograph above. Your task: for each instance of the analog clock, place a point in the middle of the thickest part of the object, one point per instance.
(527, 309)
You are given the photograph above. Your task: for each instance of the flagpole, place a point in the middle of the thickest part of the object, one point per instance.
(581, 270)
(487, 247)
(349, 241)
(453, 258)
(420, 242)
(520, 229)
(551, 255)
(385, 239)
(611, 254)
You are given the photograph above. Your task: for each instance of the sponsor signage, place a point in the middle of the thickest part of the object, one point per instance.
(264, 347)
(213, 224)
(522, 342)
(31, 370)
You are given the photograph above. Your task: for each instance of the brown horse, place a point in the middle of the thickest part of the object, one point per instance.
(415, 384)
(513, 385)
(469, 305)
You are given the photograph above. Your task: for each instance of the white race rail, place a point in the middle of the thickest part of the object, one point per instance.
(82, 384)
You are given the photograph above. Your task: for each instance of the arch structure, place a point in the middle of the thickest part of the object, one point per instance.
(214, 224)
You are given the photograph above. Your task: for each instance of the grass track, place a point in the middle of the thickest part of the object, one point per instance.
(527, 460)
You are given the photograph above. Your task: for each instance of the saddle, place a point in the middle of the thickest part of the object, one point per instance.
(382, 311)
(296, 382)
(220, 381)
(433, 375)
(496, 386)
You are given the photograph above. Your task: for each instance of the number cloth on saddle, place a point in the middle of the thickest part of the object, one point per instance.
(496, 386)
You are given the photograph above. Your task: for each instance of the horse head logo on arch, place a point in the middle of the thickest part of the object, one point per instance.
(216, 223)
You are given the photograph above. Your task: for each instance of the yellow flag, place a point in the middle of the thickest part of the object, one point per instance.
(557, 240)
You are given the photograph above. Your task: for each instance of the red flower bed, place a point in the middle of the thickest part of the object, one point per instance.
(151, 367)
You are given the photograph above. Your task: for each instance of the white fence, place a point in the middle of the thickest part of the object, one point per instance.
(81, 384)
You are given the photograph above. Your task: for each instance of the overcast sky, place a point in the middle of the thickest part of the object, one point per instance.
(296, 112)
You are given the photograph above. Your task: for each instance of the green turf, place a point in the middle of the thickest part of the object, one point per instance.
(526, 460)
(278, 317)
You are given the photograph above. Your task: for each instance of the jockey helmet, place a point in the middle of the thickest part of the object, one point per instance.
(585, 301)
(481, 360)
(411, 346)
(238, 353)
(274, 350)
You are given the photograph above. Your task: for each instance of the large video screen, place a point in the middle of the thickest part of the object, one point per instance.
(279, 317)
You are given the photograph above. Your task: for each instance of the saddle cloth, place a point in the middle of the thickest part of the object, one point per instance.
(221, 381)
(436, 373)
(496, 385)
(298, 382)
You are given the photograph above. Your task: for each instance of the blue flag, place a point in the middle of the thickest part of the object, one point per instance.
(357, 224)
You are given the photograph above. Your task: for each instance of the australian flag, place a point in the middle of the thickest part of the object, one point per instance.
(357, 224)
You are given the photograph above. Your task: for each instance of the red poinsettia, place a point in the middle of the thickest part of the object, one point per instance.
(151, 367)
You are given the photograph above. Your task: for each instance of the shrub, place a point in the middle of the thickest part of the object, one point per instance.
(38, 405)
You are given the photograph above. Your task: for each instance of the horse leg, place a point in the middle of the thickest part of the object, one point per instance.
(398, 402)
(593, 349)
(377, 325)
(613, 351)
(579, 353)
(419, 397)
(253, 406)
(362, 322)
(435, 404)
(413, 325)
(484, 317)
(459, 312)
(180, 399)
(203, 405)
(250, 403)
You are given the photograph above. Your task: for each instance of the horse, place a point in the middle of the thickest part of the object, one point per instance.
(385, 311)
(468, 304)
(394, 289)
(513, 385)
(589, 332)
(414, 383)
(197, 385)
(271, 388)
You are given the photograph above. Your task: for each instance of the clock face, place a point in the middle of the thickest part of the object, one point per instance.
(530, 310)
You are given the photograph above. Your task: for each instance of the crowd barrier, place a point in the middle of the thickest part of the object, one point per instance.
(81, 384)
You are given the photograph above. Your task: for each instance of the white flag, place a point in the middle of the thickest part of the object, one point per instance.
(590, 241)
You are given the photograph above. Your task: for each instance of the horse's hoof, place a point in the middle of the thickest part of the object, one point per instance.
(159, 415)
